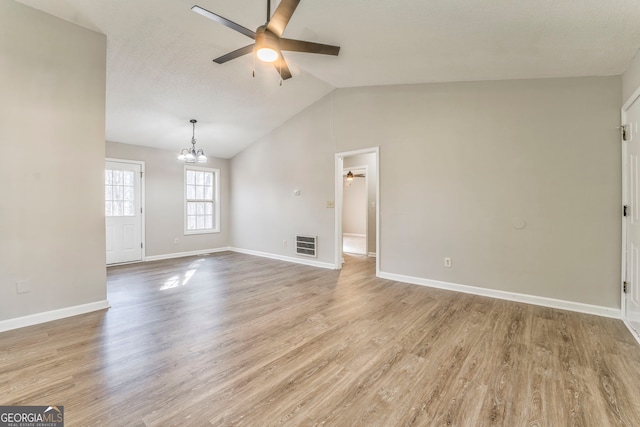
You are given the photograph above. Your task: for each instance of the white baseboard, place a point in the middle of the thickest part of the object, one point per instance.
(372, 254)
(633, 331)
(48, 316)
(285, 258)
(510, 296)
(354, 235)
(184, 254)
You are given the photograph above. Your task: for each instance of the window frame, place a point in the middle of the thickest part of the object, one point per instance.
(215, 200)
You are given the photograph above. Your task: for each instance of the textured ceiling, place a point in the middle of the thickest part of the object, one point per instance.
(160, 73)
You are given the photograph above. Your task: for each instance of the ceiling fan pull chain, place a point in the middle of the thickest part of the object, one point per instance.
(254, 66)
(280, 71)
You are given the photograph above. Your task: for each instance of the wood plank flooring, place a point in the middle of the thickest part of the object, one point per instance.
(232, 339)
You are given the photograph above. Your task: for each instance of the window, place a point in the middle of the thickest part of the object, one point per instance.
(201, 207)
(119, 192)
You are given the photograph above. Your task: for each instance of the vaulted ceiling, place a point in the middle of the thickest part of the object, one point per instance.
(160, 72)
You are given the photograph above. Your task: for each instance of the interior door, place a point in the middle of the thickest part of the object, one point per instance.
(123, 213)
(632, 297)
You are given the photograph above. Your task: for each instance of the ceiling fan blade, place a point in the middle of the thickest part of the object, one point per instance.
(282, 67)
(235, 54)
(309, 47)
(281, 16)
(224, 21)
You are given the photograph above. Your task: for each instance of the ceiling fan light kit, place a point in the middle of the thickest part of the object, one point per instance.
(191, 155)
(266, 45)
(269, 43)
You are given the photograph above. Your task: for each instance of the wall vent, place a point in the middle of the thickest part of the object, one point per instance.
(306, 245)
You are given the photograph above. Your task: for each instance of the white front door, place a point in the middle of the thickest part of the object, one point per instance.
(632, 199)
(123, 211)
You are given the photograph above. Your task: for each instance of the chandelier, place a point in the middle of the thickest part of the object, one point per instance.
(190, 155)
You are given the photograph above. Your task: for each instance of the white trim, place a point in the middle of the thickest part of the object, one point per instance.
(509, 296)
(309, 262)
(354, 235)
(633, 331)
(372, 254)
(142, 202)
(185, 254)
(216, 200)
(48, 316)
(339, 167)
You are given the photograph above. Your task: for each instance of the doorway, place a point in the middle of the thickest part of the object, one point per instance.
(354, 208)
(357, 191)
(124, 211)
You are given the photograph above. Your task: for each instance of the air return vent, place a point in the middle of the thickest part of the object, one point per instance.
(306, 245)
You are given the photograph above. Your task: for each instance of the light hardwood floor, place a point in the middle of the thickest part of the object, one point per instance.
(232, 339)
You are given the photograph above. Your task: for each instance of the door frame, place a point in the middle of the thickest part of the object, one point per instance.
(142, 204)
(635, 97)
(366, 211)
(339, 166)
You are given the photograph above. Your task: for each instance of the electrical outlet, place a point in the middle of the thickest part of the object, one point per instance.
(447, 262)
(284, 243)
(330, 204)
(175, 241)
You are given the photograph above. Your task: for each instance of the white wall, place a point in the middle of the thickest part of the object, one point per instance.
(631, 78)
(164, 200)
(299, 155)
(52, 121)
(461, 164)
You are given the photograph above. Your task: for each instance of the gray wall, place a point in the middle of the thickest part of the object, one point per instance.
(461, 166)
(164, 200)
(52, 121)
(354, 199)
(298, 155)
(631, 78)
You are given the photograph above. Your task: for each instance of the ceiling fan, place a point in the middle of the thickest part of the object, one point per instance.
(269, 42)
(350, 175)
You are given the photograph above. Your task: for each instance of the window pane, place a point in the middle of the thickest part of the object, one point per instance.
(108, 211)
(128, 177)
(117, 209)
(129, 193)
(107, 176)
(117, 177)
(199, 201)
(129, 209)
(199, 192)
(107, 192)
(118, 193)
(191, 192)
(191, 223)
